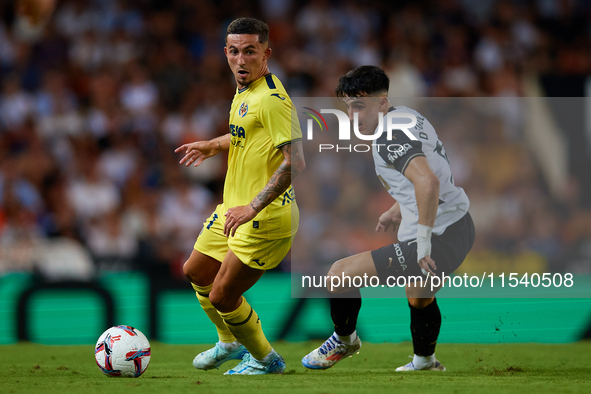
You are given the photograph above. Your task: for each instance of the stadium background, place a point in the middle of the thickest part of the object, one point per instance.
(95, 211)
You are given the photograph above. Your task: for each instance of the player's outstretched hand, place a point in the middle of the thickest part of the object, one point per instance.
(428, 265)
(196, 152)
(237, 216)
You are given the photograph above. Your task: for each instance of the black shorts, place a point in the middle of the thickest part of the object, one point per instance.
(448, 250)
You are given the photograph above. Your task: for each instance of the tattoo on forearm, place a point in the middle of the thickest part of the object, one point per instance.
(220, 145)
(298, 157)
(279, 182)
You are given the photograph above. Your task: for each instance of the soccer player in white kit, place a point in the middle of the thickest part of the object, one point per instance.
(434, 229)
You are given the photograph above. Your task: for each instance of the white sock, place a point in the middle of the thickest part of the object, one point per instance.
(347, 339)
(421, 362)
(230, 345)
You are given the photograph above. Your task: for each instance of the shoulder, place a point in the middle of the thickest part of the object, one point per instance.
(407, 110)
(421, 128)
(399, 136)
(399, 150)
(272, 81)
(268, 83)
(271, 85)
(272, 93)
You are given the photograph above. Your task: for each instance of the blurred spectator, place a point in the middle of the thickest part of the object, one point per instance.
(183, 209)
(113, 246)
(91, 193)
(119, 161)
(7, 48)
(16, 189)
(139, 96)
(74, 18)
(15, 104)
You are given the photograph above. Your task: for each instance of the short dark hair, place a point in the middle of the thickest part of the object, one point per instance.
(363, 81)
(249, 26)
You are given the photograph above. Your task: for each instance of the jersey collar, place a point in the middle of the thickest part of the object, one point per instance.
(253, 84)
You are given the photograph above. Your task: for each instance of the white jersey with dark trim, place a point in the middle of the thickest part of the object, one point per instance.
(391, 158)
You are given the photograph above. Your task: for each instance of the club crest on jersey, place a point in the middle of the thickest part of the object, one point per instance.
(243, 110)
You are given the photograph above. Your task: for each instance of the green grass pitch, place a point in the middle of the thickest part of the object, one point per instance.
(499, 368)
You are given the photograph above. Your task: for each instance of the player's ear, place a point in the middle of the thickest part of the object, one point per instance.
(383, 100)
(226, 51)
(267, 53)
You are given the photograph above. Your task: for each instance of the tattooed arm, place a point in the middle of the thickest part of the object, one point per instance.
(293, 163)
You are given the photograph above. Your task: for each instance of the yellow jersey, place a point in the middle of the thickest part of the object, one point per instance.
(262, 120)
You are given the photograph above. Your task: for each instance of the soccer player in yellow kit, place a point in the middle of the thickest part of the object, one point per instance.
(252, 230)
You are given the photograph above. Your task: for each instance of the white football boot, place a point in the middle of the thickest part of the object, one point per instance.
(251, 366)
(218, 355)
(433, 366)
(331, 352)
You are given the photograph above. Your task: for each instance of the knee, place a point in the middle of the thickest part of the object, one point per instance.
(222, 300)
(200, 271)
(188, 272)
(216, 298)
(338, 268)
(194, 275)
(420, 303)
(336, 278)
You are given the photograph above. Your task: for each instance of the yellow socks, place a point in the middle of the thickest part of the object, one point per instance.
(244, 323)
(224, 333)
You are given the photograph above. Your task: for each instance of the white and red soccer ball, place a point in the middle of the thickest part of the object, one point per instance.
(122, 351)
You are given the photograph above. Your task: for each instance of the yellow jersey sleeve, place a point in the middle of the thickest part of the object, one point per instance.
(279, 117)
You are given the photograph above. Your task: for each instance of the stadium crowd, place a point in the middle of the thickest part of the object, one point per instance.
(93, 105)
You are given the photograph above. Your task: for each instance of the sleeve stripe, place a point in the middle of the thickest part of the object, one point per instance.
(288, 142)
(270, 82)
(408, 161)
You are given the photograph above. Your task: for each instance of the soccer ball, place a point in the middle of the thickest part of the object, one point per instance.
(122, 351)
